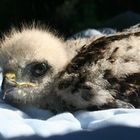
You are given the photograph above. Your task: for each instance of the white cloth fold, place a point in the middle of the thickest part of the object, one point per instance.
(14, 122)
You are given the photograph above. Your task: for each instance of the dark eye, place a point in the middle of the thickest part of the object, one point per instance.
(39, 69)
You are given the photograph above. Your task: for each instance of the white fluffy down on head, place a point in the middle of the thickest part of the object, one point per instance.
(42, 44)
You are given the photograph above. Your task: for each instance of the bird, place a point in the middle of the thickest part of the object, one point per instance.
(42, 70)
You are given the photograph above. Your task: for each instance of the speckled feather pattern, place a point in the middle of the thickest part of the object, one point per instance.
(105, 73)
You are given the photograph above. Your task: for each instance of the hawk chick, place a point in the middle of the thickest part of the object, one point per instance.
(38, 71)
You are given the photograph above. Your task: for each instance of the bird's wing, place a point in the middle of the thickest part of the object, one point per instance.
(88, 54)
(92, 52)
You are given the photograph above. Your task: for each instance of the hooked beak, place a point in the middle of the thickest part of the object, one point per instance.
(9, 83)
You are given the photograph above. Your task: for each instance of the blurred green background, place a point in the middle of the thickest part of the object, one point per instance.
(66, 16)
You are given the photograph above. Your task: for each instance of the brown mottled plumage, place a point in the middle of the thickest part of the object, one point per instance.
(103, 74)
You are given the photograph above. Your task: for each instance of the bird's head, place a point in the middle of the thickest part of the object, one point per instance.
(30, 59)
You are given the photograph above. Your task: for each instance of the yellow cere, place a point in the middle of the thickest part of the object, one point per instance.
(10, 75)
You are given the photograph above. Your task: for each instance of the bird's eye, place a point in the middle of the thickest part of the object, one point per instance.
(39, 69)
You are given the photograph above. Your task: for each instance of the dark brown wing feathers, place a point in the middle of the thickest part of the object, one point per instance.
(94, 51)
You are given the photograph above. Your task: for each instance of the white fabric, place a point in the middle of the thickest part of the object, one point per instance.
(14, 122)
